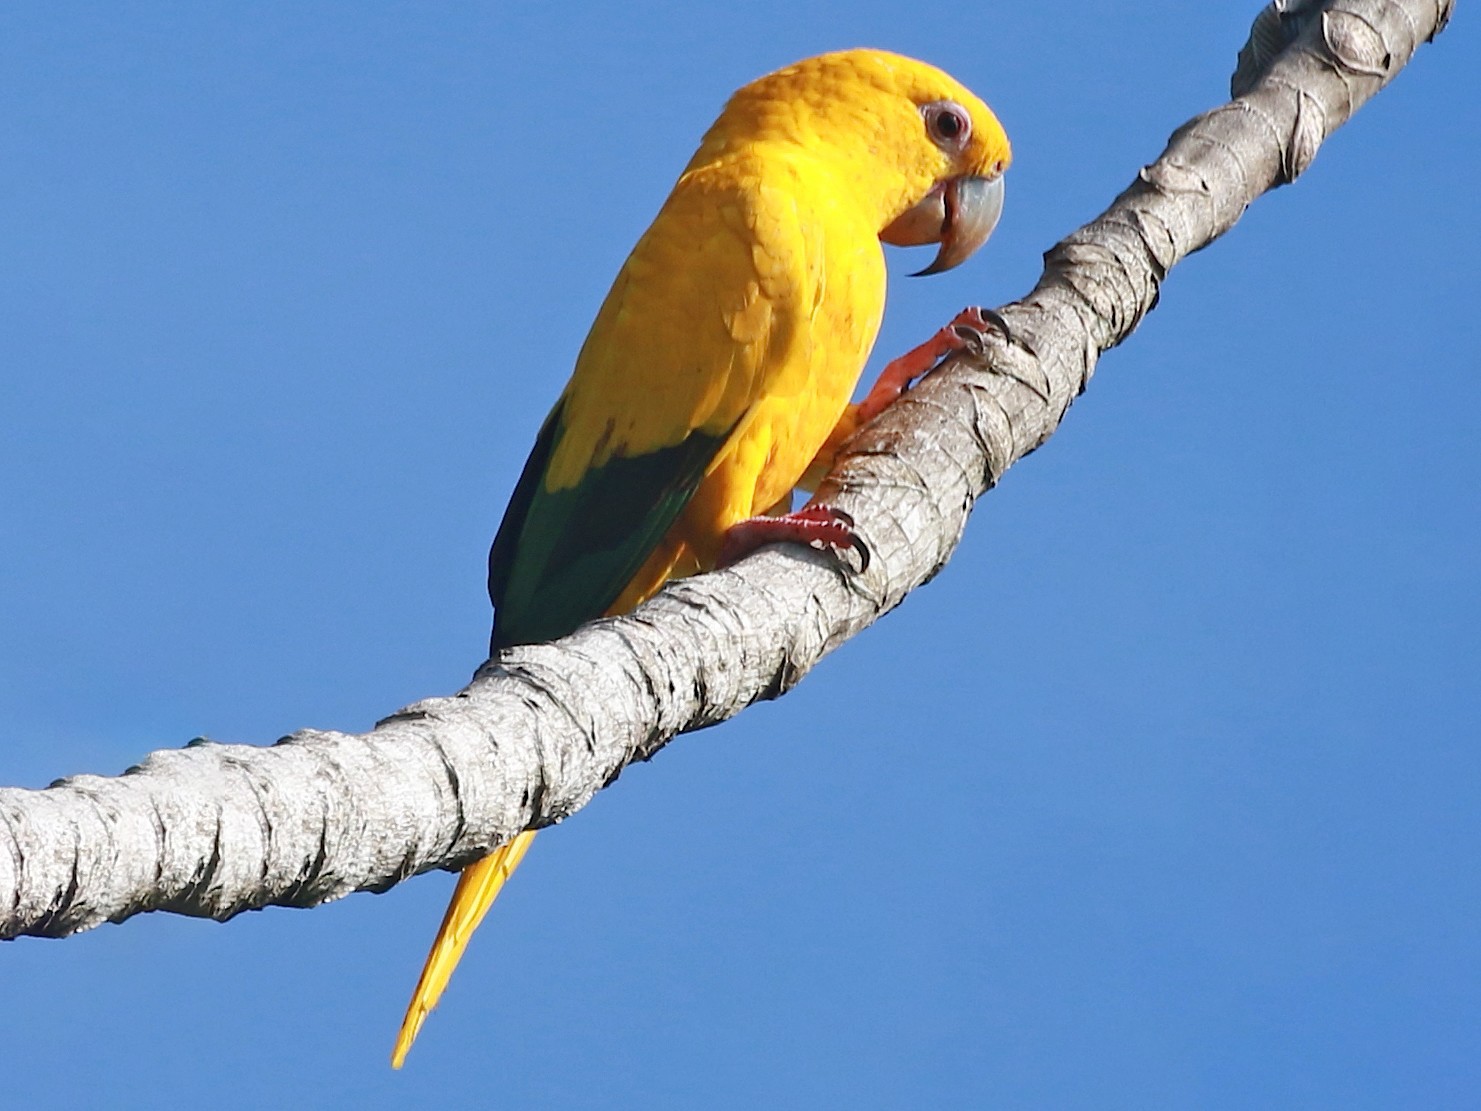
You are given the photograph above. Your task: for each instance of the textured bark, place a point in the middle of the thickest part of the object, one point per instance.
(213, 829)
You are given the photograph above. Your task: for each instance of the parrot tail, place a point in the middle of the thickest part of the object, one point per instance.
(478, 886)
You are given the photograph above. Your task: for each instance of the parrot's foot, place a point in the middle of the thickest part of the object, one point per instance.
(812, 524)
(967, 332)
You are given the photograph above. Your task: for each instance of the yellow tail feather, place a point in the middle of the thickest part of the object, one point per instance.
(478, 886)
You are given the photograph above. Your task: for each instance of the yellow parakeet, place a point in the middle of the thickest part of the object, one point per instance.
(717, 375)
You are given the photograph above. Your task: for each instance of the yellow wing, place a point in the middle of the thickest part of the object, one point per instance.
(709, 314)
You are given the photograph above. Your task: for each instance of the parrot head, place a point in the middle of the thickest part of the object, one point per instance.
(918, 149)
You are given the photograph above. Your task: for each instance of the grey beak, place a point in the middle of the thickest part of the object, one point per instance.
(959, 214)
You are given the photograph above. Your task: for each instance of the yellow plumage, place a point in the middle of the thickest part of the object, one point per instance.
(725, 355)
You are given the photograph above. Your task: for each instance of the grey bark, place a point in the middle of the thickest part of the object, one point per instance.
(213, 829)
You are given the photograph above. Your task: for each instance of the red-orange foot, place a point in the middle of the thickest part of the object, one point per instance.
(812, 524)
(966, 332)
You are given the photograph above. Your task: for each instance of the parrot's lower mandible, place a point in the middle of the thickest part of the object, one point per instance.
(717, 376)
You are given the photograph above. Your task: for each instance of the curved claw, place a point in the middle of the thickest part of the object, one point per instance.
(978, 320)
(972, 324)
(830, 516)
(812, 524)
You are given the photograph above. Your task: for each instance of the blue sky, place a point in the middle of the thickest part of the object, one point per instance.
(1165, 793)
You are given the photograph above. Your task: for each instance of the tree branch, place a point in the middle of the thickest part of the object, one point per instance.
(212, 829)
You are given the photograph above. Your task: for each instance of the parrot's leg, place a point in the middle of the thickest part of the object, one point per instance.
(823, 524)
(965, 332)
(812, 524)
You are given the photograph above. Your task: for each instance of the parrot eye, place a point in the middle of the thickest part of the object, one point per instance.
(948, 124)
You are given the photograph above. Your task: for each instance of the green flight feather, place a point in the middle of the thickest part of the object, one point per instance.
(562, 558)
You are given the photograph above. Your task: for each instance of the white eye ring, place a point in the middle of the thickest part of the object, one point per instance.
(947, 123)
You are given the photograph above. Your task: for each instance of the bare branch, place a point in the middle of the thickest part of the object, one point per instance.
(212, 829)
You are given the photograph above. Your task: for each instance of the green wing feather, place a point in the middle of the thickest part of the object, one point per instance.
(561, 558)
